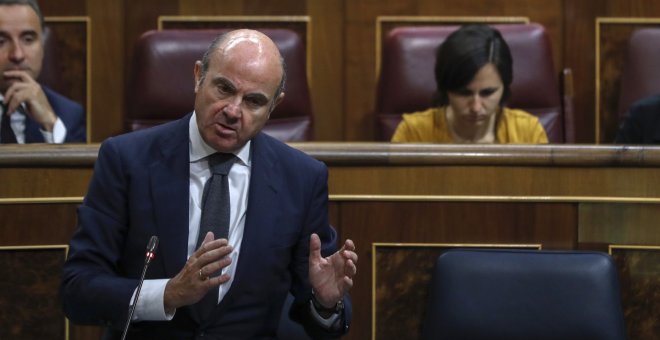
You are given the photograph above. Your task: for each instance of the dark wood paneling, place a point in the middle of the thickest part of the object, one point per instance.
(63, 7)
(639, 271)
(30, 224)
(579, 35)
(28, 293)
(384, 192)
(327, 65)
(39, 225)
(108, 68)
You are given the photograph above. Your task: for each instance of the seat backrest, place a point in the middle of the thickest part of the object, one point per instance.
(162, 83)
(520, 294)
(407, 79)
(641, 71)
(50, 72)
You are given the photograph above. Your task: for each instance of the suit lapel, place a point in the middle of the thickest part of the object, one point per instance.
(169, 182)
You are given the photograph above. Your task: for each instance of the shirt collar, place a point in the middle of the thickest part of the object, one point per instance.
(199, 149)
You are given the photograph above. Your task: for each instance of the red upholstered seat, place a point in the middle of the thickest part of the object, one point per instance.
(162, 83)
(407, 81)
(641, 71)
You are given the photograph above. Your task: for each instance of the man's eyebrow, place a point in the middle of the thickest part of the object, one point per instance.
(29, 32)
(224, 82)
(230, 87)
(260, 97)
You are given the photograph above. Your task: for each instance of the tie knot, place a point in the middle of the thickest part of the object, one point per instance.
(220, 163)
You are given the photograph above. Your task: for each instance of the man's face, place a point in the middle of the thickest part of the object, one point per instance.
(21, 46)
(234, 99)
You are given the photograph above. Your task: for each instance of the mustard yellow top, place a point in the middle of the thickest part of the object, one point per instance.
(430, 126)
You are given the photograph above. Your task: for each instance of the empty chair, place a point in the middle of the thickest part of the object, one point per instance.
(407, 83)
(162, 82)
(519, 294)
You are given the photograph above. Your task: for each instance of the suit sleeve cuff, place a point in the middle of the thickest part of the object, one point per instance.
(332, 323)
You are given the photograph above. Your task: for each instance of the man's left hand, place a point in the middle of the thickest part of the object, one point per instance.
(331, 277)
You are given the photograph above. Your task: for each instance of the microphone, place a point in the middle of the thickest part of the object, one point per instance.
(150, 254)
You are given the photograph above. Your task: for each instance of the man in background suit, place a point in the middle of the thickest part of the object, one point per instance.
(642, 122)
(150, 182)
(31, 112)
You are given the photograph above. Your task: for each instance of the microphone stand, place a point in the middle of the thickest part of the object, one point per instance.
(151, 253)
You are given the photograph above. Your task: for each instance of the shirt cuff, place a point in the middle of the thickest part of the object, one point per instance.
(150, 306)
(330, 323)
(57, 136)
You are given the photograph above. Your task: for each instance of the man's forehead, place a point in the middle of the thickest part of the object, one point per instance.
(237, 40)
(21, 17)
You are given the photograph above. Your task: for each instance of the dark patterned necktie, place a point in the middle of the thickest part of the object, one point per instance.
(215, 215)
(7, 135)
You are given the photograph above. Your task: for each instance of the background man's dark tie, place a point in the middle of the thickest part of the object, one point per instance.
(215, 215)
(7, 135)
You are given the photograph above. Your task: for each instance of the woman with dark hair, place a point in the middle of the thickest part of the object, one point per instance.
(473, 73)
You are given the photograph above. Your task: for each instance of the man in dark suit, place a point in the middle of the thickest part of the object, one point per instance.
(31, 113)
(150, 182)
(642, 123)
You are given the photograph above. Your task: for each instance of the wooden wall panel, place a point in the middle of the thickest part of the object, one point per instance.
(42, 224)
(36, 224)
(578, 21)
(63, 7)
(108, 67)
(562, 197)
(619, 223)
(327, 77)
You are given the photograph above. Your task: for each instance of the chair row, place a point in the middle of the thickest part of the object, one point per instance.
(405, 80)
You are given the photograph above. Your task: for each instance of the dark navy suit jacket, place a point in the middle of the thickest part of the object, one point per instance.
(642, 123)
(140, 188)
(71, 114)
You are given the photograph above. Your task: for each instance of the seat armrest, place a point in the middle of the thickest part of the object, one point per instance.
(567, 91)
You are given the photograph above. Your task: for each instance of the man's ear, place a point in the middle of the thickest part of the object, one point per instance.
(278, 100)
(198, 75)
(275, 103)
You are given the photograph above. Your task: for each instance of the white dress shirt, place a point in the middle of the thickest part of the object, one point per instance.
(150, 304)
(17, 123)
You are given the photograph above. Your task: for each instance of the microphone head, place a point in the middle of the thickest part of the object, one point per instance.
(153, 244)
(151, 248)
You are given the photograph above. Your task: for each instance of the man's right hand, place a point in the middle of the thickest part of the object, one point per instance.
(195, 280)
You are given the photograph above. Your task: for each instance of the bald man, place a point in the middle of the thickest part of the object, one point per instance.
(151, 182)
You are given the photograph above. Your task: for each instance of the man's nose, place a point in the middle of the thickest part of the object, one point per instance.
(233, 108)
(16, 53)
